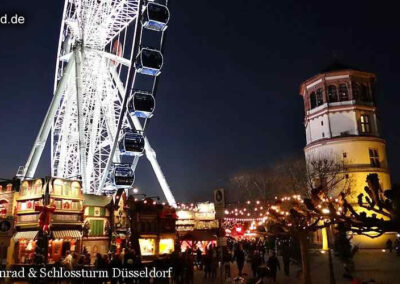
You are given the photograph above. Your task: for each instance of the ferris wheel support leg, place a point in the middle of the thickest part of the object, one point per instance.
(81, 127)
(149, 151)
(40, 142)
(151, 156)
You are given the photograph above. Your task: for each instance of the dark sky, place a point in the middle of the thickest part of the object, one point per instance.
(228, 97)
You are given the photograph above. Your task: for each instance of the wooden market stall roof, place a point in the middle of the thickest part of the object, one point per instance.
(200, 235)
(96, 200)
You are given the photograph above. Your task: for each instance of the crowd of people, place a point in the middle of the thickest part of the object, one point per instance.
(213, 262)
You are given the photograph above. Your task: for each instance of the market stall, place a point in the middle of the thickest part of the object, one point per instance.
(196, 226)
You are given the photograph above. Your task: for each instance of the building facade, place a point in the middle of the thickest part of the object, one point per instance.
(7, 206)
(65, 196)
(341, 123)
(96, 228)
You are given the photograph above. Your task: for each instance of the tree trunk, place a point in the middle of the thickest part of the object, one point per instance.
(305, 260)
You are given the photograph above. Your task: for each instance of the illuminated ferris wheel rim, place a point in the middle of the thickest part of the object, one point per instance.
(92, 105)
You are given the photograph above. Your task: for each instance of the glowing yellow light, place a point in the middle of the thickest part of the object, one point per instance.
(147, 246)
(325, 211)
(166, 246)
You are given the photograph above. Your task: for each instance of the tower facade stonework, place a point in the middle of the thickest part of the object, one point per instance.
(341, 122)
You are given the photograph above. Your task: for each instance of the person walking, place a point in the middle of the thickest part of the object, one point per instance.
(389, 245)
(273, 265)
(286, 260)
(240, 258)
(255, 263)
(227, 258)
(199, 258)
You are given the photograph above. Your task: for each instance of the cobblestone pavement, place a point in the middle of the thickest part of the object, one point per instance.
(382, 267)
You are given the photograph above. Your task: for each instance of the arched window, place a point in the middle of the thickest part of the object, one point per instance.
(364, 93)
(24, 188)
(320, 99)
(313, 100)
(38, 186)
(356, 91)
(343, 92)
(332, 94)
(3, 208)
(58, 186)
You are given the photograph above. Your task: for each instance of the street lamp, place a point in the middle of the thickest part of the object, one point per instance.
(135, 190)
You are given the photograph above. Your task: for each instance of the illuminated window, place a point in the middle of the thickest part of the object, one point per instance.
(166, 246)
(374, 158)
(24, 188)
(38, 186)
(76, 188)
(57, 186)
(147, 246)
(365, 128)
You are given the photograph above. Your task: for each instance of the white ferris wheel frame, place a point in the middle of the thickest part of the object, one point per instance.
(88, 112)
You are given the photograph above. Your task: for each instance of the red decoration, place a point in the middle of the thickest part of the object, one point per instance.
(44, 217)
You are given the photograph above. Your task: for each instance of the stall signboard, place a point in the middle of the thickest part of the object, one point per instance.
(219, 201)
(205, 211)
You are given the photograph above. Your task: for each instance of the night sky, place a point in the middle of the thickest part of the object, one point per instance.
(228, 98)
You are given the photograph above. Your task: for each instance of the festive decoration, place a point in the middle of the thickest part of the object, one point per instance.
(44, 216)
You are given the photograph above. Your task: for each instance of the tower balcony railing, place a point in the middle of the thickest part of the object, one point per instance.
(340, 103)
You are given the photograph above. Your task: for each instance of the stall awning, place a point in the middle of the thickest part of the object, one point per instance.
(27, 235)
(67, 234)
(200, 236)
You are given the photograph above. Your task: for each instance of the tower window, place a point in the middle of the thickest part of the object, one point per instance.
(344, 155)
(313, 100)
(365, 127)
(374, 158)
(323, 134)
(322, 122)
(332, 94)
(343, 93)
(364, 93)
(320, 99)
(356, 91)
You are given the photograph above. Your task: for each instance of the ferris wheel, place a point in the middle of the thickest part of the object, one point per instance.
(108, 64)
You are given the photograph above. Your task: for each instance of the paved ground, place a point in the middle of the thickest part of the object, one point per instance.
(384, 268)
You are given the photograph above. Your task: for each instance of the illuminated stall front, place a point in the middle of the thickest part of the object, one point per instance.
(31, 193)
(96, 224)
(7, 205)
(67, 220)
(197, 226)
(155, 226)
(119, 222)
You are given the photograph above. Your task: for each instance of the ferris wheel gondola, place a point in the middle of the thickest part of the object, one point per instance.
(131, 143)
(149, 62)
(122, 176)
(141, 104)
(156, 17)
